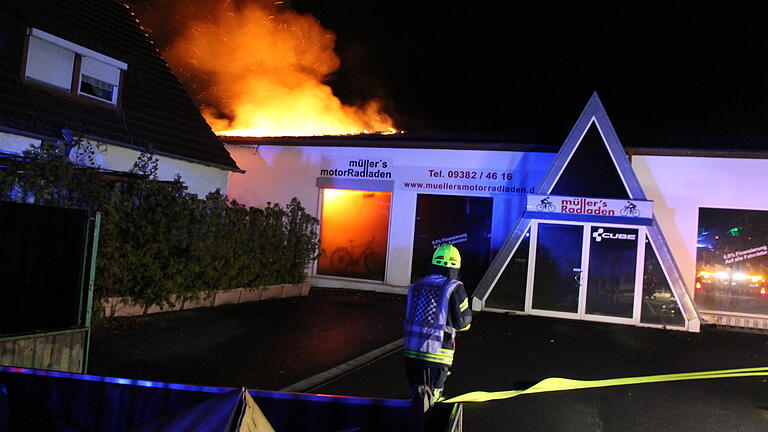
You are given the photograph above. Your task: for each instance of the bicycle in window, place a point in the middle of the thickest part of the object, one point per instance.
(346, 259)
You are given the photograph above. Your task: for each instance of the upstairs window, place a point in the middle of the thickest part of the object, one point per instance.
(63, 65)
(99, 80)
(50, 64)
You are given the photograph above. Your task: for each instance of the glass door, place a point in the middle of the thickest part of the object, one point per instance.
(612, 272)
(557, 261)
(585, 271)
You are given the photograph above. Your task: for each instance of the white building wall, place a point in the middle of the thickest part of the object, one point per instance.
(16, 144)
(278, 173)
(275, 174)
(200, 179)
(679, 186)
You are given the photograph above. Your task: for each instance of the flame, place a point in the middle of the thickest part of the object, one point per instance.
(265, 67)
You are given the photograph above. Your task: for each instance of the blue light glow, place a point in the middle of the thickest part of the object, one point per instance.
(207, 389)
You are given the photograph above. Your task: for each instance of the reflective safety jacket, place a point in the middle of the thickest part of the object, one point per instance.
(437, 308)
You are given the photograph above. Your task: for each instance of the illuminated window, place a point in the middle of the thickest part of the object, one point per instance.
(354, 228)
(54, 62)
(732, 261)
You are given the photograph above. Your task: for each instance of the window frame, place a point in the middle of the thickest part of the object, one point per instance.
(76, 76)
(115, 91)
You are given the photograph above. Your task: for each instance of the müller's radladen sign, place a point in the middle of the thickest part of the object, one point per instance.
(359, 168)
(590, 206)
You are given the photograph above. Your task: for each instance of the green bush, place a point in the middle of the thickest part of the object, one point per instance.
(158, 242)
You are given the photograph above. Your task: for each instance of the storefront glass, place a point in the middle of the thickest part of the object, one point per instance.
(732, 261)
(463, 221)
(354, 227)
(659, 305)
(558, 267)
(509, 291)
(612, 264)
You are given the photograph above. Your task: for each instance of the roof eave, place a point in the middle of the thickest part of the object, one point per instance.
(33, 135)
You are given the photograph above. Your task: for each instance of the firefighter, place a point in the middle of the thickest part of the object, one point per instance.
(437, 308)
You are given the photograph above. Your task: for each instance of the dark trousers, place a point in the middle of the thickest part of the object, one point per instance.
(422, 372)
(424, 378)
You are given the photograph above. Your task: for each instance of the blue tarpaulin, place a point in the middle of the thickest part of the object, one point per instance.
(62, 402)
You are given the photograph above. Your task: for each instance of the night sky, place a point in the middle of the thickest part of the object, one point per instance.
(667, 74)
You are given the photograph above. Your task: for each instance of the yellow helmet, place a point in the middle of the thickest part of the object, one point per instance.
(447, 256)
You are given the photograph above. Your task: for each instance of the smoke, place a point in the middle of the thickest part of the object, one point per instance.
(257, 67)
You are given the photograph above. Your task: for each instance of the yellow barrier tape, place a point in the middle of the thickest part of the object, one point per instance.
(559, 384)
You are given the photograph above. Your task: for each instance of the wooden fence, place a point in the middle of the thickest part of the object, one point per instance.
(61, 351)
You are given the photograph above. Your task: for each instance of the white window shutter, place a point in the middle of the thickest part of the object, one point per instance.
(49, 63)
(101, 71)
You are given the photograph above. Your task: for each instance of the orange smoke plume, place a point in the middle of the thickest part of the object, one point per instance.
(265, 66)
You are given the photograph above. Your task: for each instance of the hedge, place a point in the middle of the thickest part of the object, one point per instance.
(158, 242)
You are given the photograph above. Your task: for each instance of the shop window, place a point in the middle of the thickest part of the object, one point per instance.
(659, 305)
(509, 291)
(354, 229)
(58, 63)
(459, 220)
(732, 261)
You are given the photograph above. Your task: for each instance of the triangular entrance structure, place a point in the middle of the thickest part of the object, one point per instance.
(592, 164)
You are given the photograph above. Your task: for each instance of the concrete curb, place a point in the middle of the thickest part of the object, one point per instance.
(124, 306)
(336, 372)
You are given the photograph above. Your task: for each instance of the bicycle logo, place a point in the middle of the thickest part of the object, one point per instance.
(630, 210)
(545, 205)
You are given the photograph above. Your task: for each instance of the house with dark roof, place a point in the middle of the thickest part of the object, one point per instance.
(86, 73)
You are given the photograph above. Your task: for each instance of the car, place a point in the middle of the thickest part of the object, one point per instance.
(733, 284)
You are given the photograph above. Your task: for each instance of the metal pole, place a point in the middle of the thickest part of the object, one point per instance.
(89, 313)
(83, 270)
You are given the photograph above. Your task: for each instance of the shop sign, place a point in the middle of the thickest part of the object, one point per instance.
(589, 206)
(437, 179)
(601, 234)
(377, 168)
(467, 181)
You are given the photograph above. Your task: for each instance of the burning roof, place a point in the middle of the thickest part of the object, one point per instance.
(260, 69)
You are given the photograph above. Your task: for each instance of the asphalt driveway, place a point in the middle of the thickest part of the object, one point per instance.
(503, 352)
(273, 344)
(265, 345)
